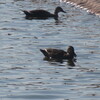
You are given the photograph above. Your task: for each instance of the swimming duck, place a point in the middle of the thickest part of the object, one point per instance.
(42, 14)
(59, 54)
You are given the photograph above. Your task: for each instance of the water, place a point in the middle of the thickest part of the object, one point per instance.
(24, 75)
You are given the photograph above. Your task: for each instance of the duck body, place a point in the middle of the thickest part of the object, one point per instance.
(53, 53)
(59, 54)
(42, 14)
(38, 14)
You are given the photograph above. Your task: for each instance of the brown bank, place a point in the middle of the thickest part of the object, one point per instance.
(92, 5)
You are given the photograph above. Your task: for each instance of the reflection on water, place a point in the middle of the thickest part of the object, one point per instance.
(60, 61)
(24, 75)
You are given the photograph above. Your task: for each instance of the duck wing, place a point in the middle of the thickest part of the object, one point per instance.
(55, 53)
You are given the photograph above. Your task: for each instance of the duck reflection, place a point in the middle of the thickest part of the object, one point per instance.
(61, 62)
(53, 60)
(71, 62)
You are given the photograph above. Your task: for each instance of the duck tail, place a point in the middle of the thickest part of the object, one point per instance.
(45, 53)
(27, 13)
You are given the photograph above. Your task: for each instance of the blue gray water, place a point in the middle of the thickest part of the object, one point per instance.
(24, 75)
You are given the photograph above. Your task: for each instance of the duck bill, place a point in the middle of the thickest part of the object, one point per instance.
(63, 11)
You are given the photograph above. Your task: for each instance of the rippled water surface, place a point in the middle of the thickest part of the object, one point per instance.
(24, 75)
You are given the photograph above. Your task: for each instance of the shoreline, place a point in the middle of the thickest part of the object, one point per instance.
(92, 6)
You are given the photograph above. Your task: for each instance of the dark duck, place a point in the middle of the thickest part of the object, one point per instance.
(42, 14)
(59, 54)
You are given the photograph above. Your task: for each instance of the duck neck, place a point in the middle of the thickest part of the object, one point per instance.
(69, 56)
(56, 15)
(56, 12)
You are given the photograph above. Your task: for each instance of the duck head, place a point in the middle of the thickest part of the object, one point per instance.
(57, 10)
(71, 52)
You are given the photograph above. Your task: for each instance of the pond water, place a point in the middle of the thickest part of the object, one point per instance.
(24, 75)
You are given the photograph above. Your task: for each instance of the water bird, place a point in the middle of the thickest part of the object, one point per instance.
(42, 14)
(51, 53)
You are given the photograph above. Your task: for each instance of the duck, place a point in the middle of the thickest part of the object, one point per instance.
(52, 53)
(43, 14)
